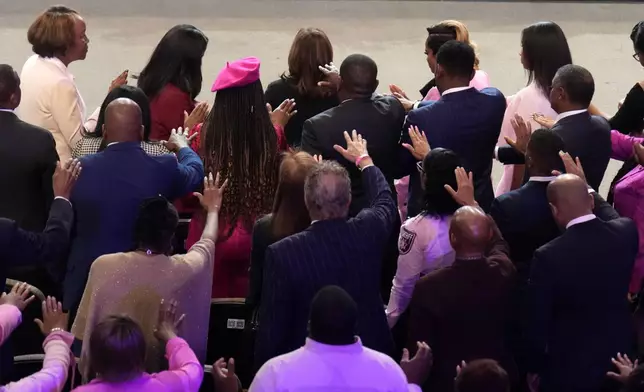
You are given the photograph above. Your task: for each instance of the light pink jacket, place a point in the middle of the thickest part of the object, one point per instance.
(53, 375)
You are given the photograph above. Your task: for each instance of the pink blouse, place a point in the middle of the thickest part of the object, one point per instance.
(185, 374)
(480, 81)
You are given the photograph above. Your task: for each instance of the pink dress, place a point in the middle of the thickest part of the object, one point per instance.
(525, 103)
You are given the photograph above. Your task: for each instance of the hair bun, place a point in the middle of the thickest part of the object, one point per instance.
(442, 30)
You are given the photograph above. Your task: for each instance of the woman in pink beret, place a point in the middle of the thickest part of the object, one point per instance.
(243, 138)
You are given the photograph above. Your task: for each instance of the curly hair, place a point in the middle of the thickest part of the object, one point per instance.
(240, 142)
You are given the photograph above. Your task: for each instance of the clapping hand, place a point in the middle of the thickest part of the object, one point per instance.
(197, 116)
(419, 147)
(624, 365)
(465, 184)
(522, 130)
(542, 120)
(417, 369)
(120, 80)
(318, 158)
(53, 317)
(395, 90)
(65, 177)
(571, 166)
(224, 376)
(178, 139)
(460, 367)
(356, 148)
(212, 193)
(168, 323)
(332, 76)
(283, 113)
(20, 296)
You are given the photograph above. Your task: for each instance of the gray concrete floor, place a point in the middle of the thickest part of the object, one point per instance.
(124, 32)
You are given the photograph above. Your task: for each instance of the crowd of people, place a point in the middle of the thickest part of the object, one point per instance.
(362, 229)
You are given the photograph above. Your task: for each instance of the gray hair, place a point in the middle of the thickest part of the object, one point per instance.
(327, 191)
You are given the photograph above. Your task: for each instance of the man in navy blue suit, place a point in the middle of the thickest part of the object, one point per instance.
(464, 120)
(114, 182)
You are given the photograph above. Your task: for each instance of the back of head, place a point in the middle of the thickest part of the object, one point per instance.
(359, 75)
(117, 349)
(290, 215)
(333, 317)
(635, 381)
(637, 36)
(482, 375)
(135, 94)
(52, 33)
(456, 59)
(123, 121)
(544, 50)
(311, 48)
(155, 226)
(576, 82)
(239, 139)
(327, 191)
(9, 87)
(177, 60)
(438, 167)
(569, 198)
(470, 231)
(448, 30)
(542, 153)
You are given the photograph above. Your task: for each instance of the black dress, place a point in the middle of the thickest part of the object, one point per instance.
(306, 106)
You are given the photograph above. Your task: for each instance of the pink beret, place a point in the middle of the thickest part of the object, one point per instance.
(237, 74)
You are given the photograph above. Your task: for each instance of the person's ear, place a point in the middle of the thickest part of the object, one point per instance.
(104, 131)
(439, 71)
(592, 201)
(452, 240)
(473, 73)
(554, 210)
(376, 84)
(142, 132)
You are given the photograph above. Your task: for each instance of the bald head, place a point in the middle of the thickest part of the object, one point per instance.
(123, 121)
(569, 198)
(470, 232)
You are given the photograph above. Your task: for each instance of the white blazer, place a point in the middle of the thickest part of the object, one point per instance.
(51, 100)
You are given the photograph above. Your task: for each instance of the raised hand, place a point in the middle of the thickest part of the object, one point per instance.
(20, 296)
(318, 158)
(419, 147)
(460, 367)
(571, 166)
(168, 323)
(522, 130)
(65, 177)
(332, 75)
(197, 116)
(356, 148)
(283, 113)
(624, 365)
(465, 184)
(178, 139)
(224, 376)
(417, 369)
(119, 81)
(394, 89)
(53, 318)
(542, 120)
(212, 193)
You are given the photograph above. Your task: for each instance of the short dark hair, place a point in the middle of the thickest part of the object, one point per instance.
(117, 349)
(177, 60)
(577, 82)
(456, 58)
(637, 36)
(9, 82)
(482, 375)
(155, 225)
(333, 317)
(359, 74)
(545, 49)
(438, 35)
(135, 94)
(543, 152)
(439, 166)
(53, 31)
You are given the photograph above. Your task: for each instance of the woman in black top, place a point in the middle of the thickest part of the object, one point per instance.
(311, 49)
(289, 216)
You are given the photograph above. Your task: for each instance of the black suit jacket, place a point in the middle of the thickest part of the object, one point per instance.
(378, 119)
(341, 252)
(586, 137)
(27, 162)
(578, 314)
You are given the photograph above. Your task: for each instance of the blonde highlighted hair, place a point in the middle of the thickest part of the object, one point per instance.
(458, 31)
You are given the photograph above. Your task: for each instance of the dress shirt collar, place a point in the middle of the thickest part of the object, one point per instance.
(581, 219)
(455, 90)
(6, 110)
(542, 178)
(315, 346)
(569, 113)
(111, 144)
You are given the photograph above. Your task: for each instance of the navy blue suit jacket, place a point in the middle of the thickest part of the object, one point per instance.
(346, 253)
(107, 198)
(467, 122)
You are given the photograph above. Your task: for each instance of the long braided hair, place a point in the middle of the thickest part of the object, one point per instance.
(240, 142)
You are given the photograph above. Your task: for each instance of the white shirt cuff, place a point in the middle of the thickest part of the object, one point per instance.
(366, 167)
(414, 388)
(496, 153)
(415, 105)
(64, 198)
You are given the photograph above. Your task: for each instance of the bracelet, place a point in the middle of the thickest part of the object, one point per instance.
(360, 158)
(56, 330)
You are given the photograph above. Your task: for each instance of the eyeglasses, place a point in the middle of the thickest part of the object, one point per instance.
(636, 56)
(419, 167)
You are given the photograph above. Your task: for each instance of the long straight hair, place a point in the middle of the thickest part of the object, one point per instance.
(545, 50)
(290, 214)
(311, 48)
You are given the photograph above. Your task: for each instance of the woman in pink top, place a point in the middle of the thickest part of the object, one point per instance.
(544, 49)
(117, 356)
(53, 375)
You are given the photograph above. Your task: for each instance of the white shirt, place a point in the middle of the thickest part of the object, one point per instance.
(581, 219)
(51, 100)
(542, 178)
(455, 90)
(568, 114)
(317, 367)
(423, 247)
